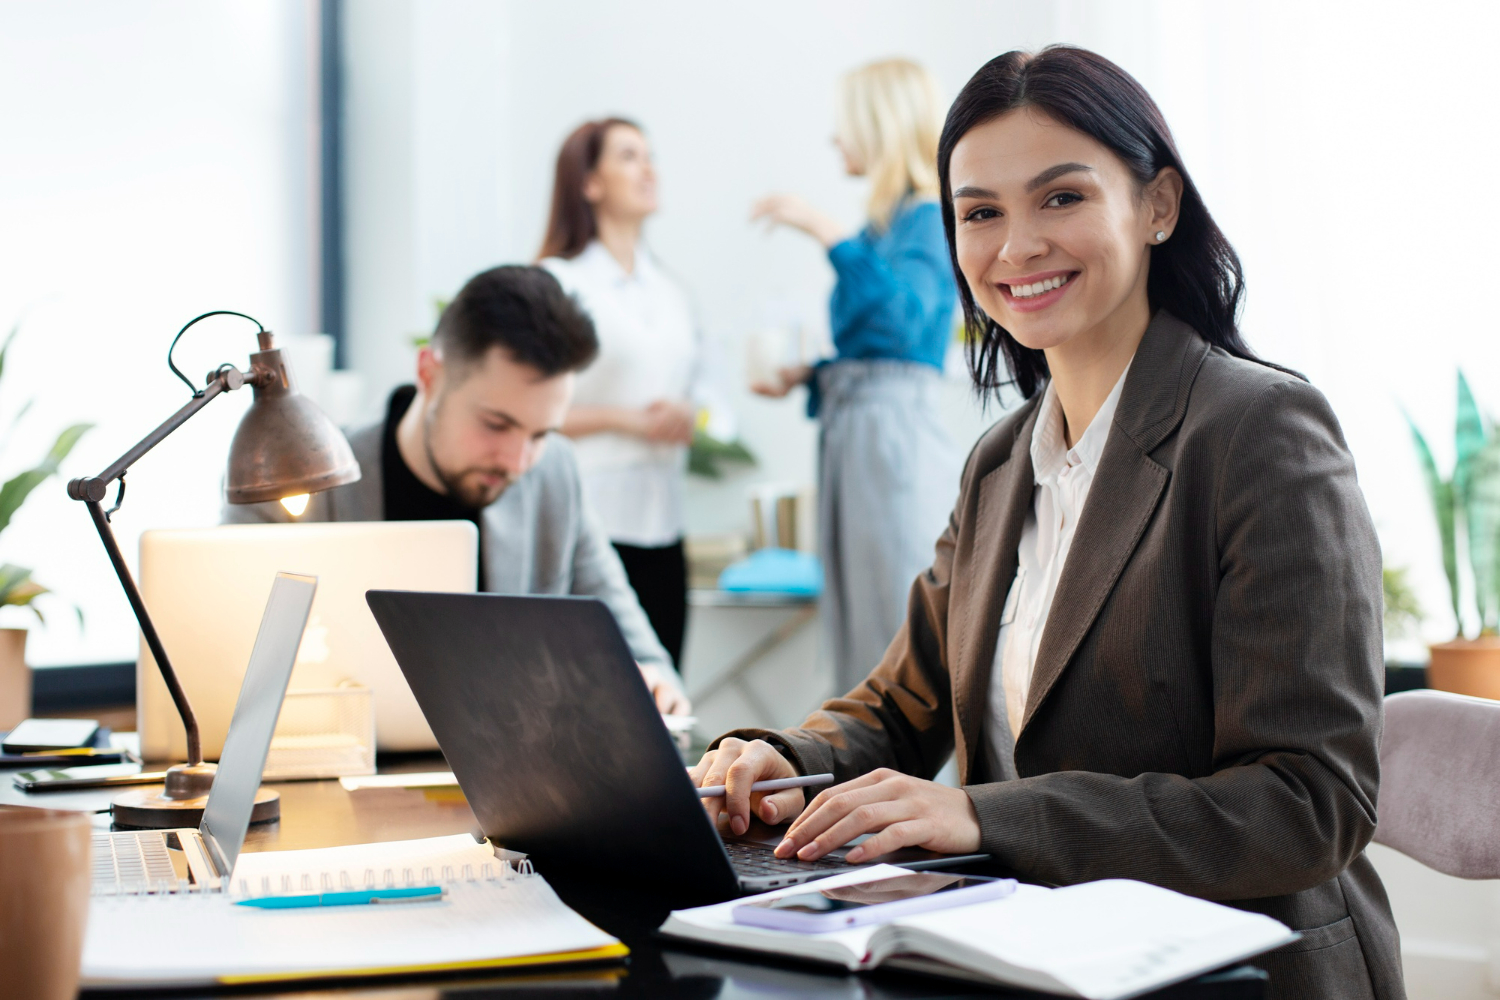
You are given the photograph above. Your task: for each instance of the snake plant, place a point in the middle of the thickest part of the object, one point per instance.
(1467, 506)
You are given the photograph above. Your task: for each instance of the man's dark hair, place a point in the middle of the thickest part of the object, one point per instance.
(522, 310)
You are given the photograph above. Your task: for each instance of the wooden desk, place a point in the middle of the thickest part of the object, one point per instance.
(322, 814)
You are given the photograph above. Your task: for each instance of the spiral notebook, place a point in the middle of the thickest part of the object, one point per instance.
(494, 914)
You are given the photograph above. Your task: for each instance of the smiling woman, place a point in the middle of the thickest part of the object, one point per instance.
(1151, 632)
(1194, 271)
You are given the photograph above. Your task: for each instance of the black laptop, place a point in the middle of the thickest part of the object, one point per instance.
(559, 748)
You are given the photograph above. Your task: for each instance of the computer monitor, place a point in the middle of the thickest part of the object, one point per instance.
(206, 588)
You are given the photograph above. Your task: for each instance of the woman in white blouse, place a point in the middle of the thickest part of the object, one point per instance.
(632, 416)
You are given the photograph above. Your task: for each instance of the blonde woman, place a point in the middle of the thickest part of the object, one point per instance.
(887, 473)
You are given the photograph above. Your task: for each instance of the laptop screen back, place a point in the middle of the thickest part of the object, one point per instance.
(555, 740)
(230, 802)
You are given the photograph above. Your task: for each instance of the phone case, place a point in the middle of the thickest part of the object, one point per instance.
(877, 913)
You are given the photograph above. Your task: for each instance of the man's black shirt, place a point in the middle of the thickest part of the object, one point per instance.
(407, 498)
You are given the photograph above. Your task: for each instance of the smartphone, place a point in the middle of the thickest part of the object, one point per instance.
(36, 735)
(874, 902)
(98, 776)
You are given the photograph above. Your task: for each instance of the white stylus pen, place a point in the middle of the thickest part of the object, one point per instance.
(774, 785)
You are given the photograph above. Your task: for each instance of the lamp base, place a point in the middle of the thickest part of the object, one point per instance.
(154, 811)
(180, 803)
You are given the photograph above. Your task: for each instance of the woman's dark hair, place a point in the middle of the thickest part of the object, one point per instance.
(571, 224)
(1196, 275)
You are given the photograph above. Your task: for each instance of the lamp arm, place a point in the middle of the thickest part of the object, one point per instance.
(225, 380)
(92, 490)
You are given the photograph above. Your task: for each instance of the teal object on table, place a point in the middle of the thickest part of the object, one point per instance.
(775, 571)
(406, 894)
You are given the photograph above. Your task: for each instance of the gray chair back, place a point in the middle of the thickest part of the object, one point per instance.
(1440, 782)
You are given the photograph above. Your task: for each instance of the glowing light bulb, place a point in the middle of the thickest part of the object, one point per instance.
(295, 505)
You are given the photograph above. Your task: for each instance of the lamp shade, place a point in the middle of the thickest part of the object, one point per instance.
(285, 445)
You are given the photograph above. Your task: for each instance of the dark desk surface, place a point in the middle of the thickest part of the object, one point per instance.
(322, 814)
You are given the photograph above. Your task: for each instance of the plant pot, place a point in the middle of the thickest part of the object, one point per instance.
(1466, 666)
(15, 678)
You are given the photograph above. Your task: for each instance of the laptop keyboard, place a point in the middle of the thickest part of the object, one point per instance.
(131, 863)
(754, 860)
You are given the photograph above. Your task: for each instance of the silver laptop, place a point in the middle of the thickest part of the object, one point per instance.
(206, 616)
(158, 861)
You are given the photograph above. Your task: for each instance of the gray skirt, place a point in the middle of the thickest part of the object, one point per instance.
(887, 482)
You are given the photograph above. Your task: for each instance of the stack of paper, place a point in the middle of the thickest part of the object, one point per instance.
(204, 938)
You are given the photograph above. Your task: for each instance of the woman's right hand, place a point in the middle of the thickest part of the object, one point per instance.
(738, 764)
(786, 380)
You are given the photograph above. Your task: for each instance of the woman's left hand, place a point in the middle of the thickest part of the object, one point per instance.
(901, 811)
(794, 211)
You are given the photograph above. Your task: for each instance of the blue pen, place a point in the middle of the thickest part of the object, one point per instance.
(410, 894)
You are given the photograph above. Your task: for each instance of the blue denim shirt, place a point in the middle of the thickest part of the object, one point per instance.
(895, 295)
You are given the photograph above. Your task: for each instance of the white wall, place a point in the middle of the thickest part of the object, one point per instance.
(156, 161)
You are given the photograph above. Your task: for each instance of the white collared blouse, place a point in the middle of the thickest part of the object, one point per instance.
(1063, 476)
(648, 350)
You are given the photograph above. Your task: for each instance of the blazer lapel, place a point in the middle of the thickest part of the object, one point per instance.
(1128, 486)
(980, 586)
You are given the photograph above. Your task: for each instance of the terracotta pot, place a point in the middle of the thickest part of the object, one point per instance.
(15, 678)
(1466, 666)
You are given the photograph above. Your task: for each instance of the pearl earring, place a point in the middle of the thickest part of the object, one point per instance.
(1160, 235)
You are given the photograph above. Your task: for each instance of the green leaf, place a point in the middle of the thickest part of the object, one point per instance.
(1482, 522)
(1468, 438)
(5, 347)
(1402, 610)
(12, 578)
(707, 452)
(1441, 494)
(19, 487)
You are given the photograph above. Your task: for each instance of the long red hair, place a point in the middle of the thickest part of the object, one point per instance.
(571, 224)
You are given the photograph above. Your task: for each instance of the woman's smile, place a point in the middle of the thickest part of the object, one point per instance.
(1036, 291)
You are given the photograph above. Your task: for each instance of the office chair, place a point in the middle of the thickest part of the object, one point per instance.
(1440, 782)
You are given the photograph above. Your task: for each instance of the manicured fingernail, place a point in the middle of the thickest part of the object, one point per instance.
(855, 856)
(807, 852)
(784, 848)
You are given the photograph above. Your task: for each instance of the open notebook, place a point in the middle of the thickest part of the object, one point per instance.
(492, 916)
(1101, 940)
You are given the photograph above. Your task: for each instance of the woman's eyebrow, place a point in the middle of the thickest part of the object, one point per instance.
(1053, 173)
(1045, 177)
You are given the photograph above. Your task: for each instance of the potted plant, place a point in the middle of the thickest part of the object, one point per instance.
(1467, 506)
(17, 588)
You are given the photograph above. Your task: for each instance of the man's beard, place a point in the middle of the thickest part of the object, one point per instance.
(463, 485)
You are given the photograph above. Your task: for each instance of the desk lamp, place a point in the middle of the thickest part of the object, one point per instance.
(285, 448)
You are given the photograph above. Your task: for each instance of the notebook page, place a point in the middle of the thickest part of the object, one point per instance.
(398, 862)
(219, 940)
(1108, 939)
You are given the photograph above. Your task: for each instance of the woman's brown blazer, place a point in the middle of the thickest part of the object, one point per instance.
(1205, 709)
